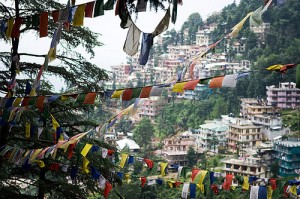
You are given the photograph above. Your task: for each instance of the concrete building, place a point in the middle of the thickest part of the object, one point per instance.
(261, 31)
(287, 153)
(283, 97)
(129, 143)
(203, 37)
(255, 106)
(151, 107)
(243, 134)
(247, 166)
(206, 132)
(176, 147)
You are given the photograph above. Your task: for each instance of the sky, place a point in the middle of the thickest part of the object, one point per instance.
(112, 35)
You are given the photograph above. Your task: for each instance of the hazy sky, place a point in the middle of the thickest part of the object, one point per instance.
(112, 35)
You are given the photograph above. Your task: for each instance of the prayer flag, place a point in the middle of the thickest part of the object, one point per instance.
(27, 130)
(10, 24)
(127, 94)
(270, 192)
(132, 41)
(40, 102)
(246, 184)
(163, 167)
(16, 28)
(192, 191)
(205, 81)
(89, 8)
(146, 92)
(174, 11)
(95, 173)
(194, 174)
(80, 98)
(298, 76)
(255, 18)
(200, 185)
(54, 123)
(90, 98)
(236, 29)
(143, 181)
(124, 157)
(156, 91)
(136, 92)
(25, 101)
(35, 21)
(117, 93)
(79, 15)
(163, 24)
(98, 10)
(275, 67)
(149, 163)
(147, 43)
(230, 80)
(130, 159)
(40, 163)
(216, 82)
(17, 102)
(178, 87)
(107, 189)
(285, 67)
(262, 192)
(55, 15)
(109, 5)
(44, 24)
(227, 183)
(86, 149)
(85, 163)
(191, 85)
(40, 130)
(185, 190)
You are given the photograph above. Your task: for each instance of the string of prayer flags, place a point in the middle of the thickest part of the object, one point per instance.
(79, 15)
(86, 149)
(236, 29)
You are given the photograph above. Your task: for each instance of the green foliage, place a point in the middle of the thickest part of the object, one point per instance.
(191, 157)
(143, 133)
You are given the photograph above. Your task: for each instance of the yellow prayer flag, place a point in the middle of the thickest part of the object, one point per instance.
(85, 163)
(236, 29)
(124, 157)
(127, 177)
(275, 67)
(163, 167)
(11, 115)
(202, 175)
(170, 183)
(52, 54)
(246, 184)
(79, 15)
(10, 25)
(128, 110)
(293, 190)
(17, 102)
(86, 149)
(64, 97)
(34, 155)
(40, 163)
(27, 130)
(178, 87)
(32, 92)
(269, 192)
(117, 93)
(54, 123)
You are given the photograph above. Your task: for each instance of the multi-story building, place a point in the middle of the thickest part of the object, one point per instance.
(261, 31)
(247, 166)
(151, 107)
(203, 37)
(285, 96)
(176, 147)
(121, 72)
(287, 153)
(252, 106)
(208, 131)
(272, 125)
(243, 134)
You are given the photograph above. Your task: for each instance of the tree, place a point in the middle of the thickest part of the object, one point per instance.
(124, 125)
(40, 181)
(191, 157)
(143, 133)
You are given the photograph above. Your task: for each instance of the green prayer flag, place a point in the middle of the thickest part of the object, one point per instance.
(98, 11)
(298, 76)
(116, 157)
(80, 98)
(109, 5)
(35, 21)
(136, 92)
(32, 101)
(46, 113)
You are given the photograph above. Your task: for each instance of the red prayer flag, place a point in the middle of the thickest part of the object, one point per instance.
(117, 7)
(273, 183)
(25, 101)
(107, 189)
(15, 33)
(191, 85)
(110, 152)
(127, 94)
(227, 183)
(90, 98)
(40, 102)
(143, 180)
(44, 24)
(194, 173)
(146, 92)
(89, 8)
(216, 82)
(54, 167)
(149, 163)
(70, 152)
(55, 15)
